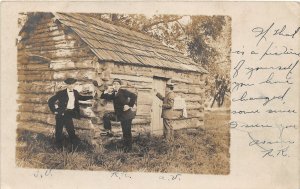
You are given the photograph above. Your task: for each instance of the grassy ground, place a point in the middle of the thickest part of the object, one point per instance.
(198, 151)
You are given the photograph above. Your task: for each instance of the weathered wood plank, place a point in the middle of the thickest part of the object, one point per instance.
(49, 33)
(190, 113)
(188, 86)
(45, 47)
(130, 70)
(189, 97)
(36, 117)
(45, 29)
(45, 37)
(39, 42)
(52, 42)
(34, 98)
(132, 78)
(34, 58)
(37, 87)
(60, 52)
(82, 74)
(143, 109)
(45, 23)
(49, 119)
(85, 112)
(36, 127)
(33, 66)
(144, 97)
(65, 64)
(196, 114)
(40, 77)
(194, 105)
(138, 84)
(33, 107)
(78, 74)
(56, 49)
(24, 59)
(189, 90)
(150, 72)
(136, 121)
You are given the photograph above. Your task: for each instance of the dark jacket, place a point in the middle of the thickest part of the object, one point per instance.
(62, 98)
(122, 98)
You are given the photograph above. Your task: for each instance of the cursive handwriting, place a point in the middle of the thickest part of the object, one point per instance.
(284, 50)
(262, 33)
(263, 88)
(235, 124)
(268, 148)
(270, 111)
(267, 99)
(281, 32)
(238, 67)
(245, 112)
(256, 142)
(270, 80)
(120, 175)
(238, 85)
(170, 177)
(42, 173)
(289, 68)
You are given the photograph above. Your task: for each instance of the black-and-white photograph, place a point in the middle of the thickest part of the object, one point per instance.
(124, 92)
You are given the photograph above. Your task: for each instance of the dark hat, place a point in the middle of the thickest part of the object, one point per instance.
(70, 81)
(117, 80)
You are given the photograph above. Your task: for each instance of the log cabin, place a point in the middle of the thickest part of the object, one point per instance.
(54, 46)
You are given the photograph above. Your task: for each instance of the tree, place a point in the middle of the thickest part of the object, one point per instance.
(197, 38)
(201, 32)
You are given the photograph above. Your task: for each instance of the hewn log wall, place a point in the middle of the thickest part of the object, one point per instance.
(51, 52)
(189, 86)
(48, 54)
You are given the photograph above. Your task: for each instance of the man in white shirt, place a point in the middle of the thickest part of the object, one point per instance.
(67, 108)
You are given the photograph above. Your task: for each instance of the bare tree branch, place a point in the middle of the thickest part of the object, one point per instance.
(160, 22)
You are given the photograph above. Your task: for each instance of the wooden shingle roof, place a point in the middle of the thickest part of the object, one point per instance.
(114, 43)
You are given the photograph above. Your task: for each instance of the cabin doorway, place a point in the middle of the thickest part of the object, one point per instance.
(156, 121)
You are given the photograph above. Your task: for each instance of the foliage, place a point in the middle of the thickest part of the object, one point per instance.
(196, 38)
(201, 30)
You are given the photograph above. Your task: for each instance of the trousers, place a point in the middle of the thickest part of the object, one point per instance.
(168, 130)
(126, 127)
(65, 120)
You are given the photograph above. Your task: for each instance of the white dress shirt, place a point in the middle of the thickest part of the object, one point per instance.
(71, 101)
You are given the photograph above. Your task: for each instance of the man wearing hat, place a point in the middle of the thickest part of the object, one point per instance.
(66, 109)
(167, 110)
(124, 111)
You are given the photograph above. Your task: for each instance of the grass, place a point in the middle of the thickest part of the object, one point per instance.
(197, 151)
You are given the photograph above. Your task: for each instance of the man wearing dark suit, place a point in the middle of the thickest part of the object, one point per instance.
(66, 109)
(124, 111)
